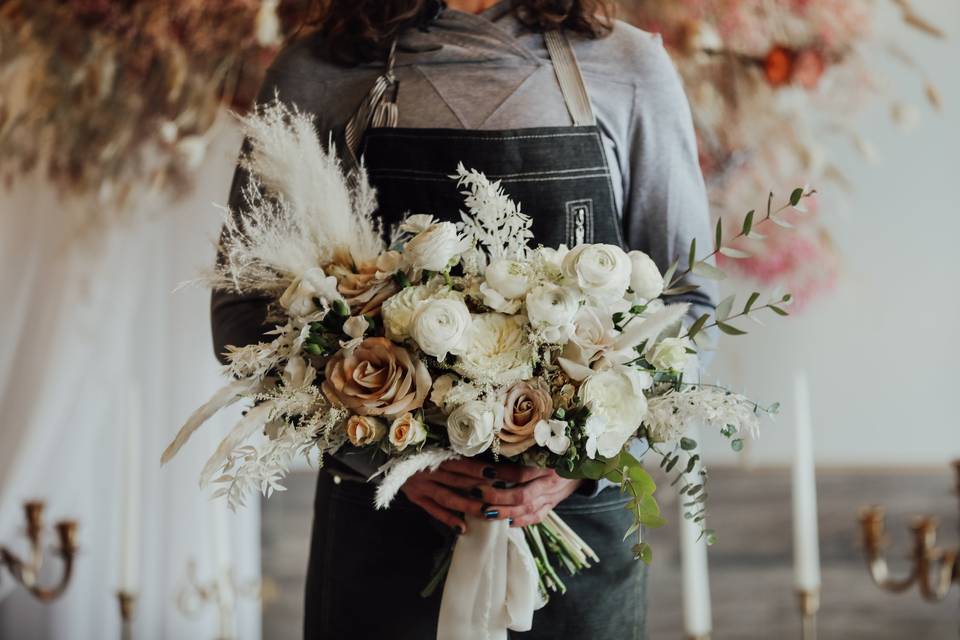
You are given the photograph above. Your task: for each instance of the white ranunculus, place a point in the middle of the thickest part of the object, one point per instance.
(398, 310)
(669, 354)
(509, 278)
(300, 298)
(496, 350)
(552, 434)
(365, 430)
(646, 281)
(492, 298)
(617, 406)
(407, 430)
(435, 247)
(551, 310)
(472, 426)
(438, 326)
(602, 271)
(441, 388)
(550, 260)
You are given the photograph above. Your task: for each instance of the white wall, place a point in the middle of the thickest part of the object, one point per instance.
(880, 350)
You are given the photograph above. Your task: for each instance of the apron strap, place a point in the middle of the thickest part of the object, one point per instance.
(568, 75)
(379, 107)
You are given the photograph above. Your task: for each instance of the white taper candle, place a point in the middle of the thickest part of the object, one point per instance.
(696, 579)
(806, 547)
(130, 549)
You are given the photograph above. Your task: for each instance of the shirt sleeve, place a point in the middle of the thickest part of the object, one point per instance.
(665, 204)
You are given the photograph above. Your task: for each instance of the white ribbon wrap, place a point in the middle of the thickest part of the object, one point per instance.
(492, 584)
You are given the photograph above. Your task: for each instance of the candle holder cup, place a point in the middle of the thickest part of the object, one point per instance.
(27, 572)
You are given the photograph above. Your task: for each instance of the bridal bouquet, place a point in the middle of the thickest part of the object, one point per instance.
(457, 339)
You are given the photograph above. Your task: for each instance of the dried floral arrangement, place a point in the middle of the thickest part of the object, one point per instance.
(770, 82)
(111, 97)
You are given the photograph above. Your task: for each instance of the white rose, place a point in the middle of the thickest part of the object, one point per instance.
(438, 326)
(407, 430)
(593, 334)
(509, 278)
(551, 309)
(442, 387)
(645, 278)
(300, 298)
(552, 434)
(496, 350)
(602, 271)
(472, 426)
(669, 354)
(365, 430)
(398, 310)
(433, 248)
(617, 406)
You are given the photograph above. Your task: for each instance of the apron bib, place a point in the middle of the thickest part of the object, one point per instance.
(558, 175)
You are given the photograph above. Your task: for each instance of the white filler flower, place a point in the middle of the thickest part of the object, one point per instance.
(552, 434)
(300, 298)
(438, 326)
(472, 426)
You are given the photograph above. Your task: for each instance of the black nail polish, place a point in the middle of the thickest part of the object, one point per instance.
(510, 521)
(489, 472)
(491, 514)
(476, 492)
(499, 484)
(456, 529)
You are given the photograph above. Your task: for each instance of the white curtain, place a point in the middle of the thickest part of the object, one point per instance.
(81, 326)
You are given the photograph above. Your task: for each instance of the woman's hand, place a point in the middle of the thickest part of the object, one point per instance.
(523, 495)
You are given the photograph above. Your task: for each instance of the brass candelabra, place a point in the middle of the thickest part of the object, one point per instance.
(27, 572)
(934, 569)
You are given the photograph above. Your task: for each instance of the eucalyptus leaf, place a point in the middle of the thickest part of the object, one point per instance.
(724, 308)
(697, 326)
(735, 254)
(692, 258)
(730, 330)
(748, 223)
(688, 444)
(668, 276)
(796, 196)
(678, 291)
(751, 301)
(777, 310)
(719, 233)
(708, 271)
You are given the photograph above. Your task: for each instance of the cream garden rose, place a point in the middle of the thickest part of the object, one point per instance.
(646, 282)
(551, 309)
(433, 248)
(365, 430)
(602, 271)
(438, 326)
(406, 431)
(472, 426)
(496, 350)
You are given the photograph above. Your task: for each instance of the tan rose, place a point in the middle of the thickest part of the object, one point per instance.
(376, 378)
(526, 405)
(366, 285)
(364, 430)
(406, 431)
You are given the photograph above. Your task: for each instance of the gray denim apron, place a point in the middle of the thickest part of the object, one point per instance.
(367, 567)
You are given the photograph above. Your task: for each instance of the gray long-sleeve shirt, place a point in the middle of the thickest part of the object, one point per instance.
(488, 71)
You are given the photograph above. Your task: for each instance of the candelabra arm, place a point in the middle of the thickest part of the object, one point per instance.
(873, 530)
(27, 572)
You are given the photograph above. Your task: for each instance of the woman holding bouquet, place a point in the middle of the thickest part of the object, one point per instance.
(583, 120)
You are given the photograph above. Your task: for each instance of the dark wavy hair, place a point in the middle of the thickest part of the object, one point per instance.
(355, 31)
